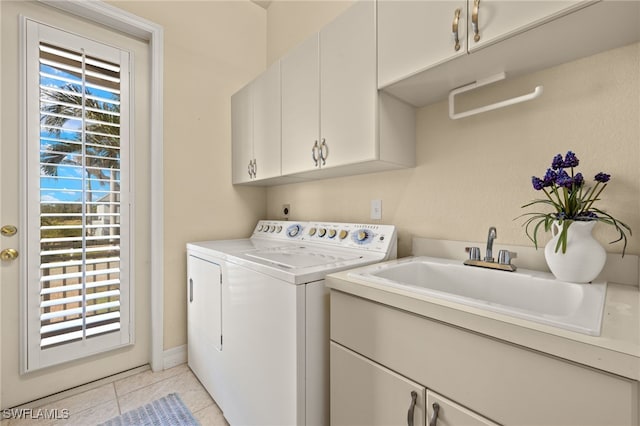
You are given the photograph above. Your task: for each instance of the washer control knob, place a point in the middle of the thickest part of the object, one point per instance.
(343, 234)
(272, 228)
(332, 233)
(279, 229)
(259, 228)
(293, 230)
(312, 232)
(362, 235)
(322, 232)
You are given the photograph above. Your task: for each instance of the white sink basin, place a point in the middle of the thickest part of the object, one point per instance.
(532, 295)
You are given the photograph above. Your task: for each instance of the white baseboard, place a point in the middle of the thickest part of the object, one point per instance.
(174, 356)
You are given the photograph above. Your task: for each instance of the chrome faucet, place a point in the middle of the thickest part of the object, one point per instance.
(492, 236)
(504, 256)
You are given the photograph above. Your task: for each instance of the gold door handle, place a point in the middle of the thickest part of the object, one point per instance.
(8, 254)
(454, 29)
(474, 21)
(8, 230)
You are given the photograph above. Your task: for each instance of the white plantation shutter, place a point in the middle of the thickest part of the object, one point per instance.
(78, 284)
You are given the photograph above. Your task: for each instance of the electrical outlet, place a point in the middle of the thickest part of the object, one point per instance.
(286, 210)
(376, 209)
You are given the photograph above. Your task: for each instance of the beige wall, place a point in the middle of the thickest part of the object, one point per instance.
(290, 22)
(475, 172)
(212, 49)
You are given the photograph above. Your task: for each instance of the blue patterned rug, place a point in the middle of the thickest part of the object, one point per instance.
(166, 411)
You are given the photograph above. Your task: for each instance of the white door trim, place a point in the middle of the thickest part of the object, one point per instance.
(126, 22)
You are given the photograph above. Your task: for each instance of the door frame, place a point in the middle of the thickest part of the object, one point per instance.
(128, 23)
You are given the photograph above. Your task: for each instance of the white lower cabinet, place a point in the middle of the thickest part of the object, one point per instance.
(381, 354)
(366, 393)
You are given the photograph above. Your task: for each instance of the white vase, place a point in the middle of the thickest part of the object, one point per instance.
(584, 257)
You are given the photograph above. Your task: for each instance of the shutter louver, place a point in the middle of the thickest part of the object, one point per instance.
(80, 268)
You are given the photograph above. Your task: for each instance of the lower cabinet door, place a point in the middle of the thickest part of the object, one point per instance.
(443, 411)
(366, 393)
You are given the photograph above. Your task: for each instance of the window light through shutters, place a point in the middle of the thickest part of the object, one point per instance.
(82, 213)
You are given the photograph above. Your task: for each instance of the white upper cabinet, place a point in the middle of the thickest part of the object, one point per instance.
(333, 120)
(242, 135)
(255, 128)
(415, 35)
(348, 95)
(493, 20)
(417, 61)
(300, 106)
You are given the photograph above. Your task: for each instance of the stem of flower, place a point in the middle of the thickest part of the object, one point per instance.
(592, 200)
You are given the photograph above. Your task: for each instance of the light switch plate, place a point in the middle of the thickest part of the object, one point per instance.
(376, 209)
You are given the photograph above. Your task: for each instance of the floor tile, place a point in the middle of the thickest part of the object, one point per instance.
(147, 378)
(91, 416)
(186, 385)
(210, 416)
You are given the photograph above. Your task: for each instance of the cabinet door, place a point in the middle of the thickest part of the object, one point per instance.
(443, 411)
(266, 123)
(348, 95)
(204, 324)
(416, 35)
(241, 134)
(300, 106)
(500, 19)
(366, 393)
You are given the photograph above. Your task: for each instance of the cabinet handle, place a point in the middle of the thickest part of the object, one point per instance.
(324, 148)
(474, 21)
(433, 421)
(454, 28)
(314, 153)
(249, 169)
(255, 168)
(190, 290)
(414, 399)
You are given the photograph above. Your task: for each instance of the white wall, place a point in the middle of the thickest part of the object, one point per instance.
(476, 172)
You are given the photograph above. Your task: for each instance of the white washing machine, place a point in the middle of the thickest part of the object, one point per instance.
(258, 332)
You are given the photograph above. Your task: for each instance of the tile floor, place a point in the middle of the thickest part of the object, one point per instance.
(106, 401)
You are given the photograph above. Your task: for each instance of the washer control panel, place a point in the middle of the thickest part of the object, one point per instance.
(353, 235)
(279, 230)
(372, 237)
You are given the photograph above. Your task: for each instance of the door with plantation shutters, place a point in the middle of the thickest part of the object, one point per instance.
(78, 207)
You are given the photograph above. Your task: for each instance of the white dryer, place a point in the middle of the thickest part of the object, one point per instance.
(258, 336)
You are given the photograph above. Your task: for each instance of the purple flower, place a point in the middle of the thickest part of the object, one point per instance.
(570, 160)
(563, 179)
(578, 179)
(557, 162)
(602, 177)
(549, 178)
(538, 184)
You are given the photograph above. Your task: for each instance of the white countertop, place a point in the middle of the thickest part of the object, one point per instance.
(616, 350)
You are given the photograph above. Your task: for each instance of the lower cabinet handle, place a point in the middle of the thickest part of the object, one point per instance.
(190, 289)
(433, 421)
(414, 399)
(255, 168)
(249, 169)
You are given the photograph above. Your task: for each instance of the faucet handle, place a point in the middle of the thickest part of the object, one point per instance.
(505, 256)
(474, 252)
